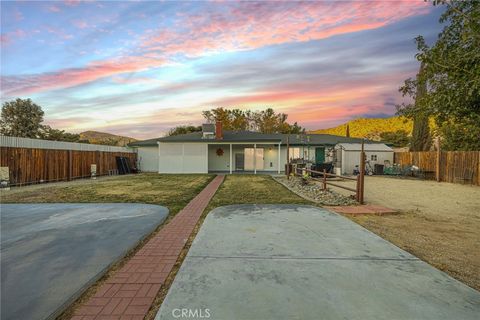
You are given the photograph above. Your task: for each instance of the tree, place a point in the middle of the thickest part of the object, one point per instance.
(219, 114)
(21, 118)
(347, 133)
(452, 77)
(48, 133)
(398, 138)
(183, 129)
(240, 120)
(421, 140)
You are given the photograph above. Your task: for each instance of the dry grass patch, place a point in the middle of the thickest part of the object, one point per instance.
(438, 222)
(450, 245)
(171, 191)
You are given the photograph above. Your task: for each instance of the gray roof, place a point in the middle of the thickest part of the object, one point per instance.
(251, 137)
(367, 147)
(208, 127)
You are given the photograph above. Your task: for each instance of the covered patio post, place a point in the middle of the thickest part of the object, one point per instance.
(159, 157)
(279, 158)
(231, 162)
(254, 158)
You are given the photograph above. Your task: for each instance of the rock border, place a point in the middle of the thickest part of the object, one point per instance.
(306, 197)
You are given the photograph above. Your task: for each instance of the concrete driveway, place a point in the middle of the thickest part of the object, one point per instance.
(52, 252)
(302, 262)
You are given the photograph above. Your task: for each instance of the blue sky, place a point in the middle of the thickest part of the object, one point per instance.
(139, 68)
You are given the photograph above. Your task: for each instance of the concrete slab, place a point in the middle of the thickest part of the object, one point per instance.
(302, 262)
(52, 252)
(289, 231)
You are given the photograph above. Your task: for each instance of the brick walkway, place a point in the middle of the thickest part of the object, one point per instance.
(132, 289)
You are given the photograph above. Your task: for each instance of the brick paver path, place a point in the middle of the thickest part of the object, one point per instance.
(129, 293)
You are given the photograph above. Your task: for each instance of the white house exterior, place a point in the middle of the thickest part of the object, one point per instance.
(348, 155)
(147, 158)
(215, 150)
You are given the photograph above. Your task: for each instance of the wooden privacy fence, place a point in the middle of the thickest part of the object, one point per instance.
(449, 166)
(29, 165)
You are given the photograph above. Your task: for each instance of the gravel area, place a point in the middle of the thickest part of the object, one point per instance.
(313, 192)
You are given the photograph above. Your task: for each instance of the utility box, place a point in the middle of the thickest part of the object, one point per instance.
(378, 169)
(4, 178)
(93, 171)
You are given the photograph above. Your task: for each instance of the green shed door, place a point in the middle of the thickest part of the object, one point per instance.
(319, 155)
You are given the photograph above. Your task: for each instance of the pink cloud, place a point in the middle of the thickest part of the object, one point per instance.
(4, 39)
(250, 25)
(313, 106)
(15, 85)
(53, 8)
(235, 26)
(58, 32)
(81, 24)
(18, 15)
(71, 3)
(7, 38)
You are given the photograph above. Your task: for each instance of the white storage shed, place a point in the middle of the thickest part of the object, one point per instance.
(348, 155)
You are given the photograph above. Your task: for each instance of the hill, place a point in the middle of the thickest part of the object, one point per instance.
(97, 137)
(370, 127)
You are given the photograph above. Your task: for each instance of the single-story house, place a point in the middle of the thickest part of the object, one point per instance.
(348, 155)
(216, 150)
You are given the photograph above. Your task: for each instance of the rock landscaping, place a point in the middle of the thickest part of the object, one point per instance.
(313, 191)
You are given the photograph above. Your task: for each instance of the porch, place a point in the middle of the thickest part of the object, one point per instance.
(262, 157)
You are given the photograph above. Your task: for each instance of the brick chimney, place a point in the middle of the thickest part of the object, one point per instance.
(218, 130)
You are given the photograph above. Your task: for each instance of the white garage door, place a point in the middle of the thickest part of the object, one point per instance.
(183, 158)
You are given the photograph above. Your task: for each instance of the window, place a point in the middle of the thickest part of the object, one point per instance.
(373, 157)
(294, 153)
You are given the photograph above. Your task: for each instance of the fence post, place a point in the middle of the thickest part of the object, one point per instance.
(287, 169)
(70, 165)
(97, 162)
(362, 172)
(439, 156)
(324, 179)
(357, 194)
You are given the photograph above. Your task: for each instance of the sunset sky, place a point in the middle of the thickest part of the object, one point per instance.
(140, 68)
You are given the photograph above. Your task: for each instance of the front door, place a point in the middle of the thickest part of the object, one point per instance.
(319, 155)
(239, 162)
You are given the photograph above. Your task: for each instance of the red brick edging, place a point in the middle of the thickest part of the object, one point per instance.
(132, 289)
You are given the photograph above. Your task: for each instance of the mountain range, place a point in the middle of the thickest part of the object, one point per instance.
(370, 128)
(97, 137)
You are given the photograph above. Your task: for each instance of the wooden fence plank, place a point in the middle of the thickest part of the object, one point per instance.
(28, 165)
(453, 164)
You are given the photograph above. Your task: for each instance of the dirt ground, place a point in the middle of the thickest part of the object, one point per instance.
(437, 222)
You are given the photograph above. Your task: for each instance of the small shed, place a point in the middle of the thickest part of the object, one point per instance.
(347, 155)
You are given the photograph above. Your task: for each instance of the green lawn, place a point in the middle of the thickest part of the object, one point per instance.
(172, 191)
(258, 189)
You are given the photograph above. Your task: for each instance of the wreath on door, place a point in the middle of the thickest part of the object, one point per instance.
(219, 152)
